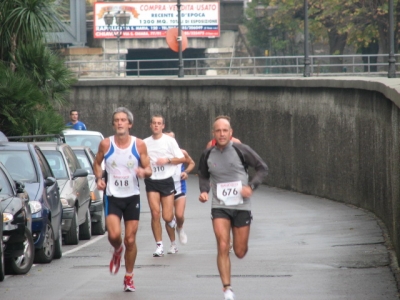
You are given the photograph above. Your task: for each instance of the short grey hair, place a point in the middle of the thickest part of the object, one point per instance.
(123, 110)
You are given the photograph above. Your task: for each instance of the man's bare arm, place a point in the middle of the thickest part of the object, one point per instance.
(98, 171)
(144, 171)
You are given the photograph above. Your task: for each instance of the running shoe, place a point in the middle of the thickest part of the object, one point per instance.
(159, 251)
(173, 249)
(182, 235)
(229, 295)
(116, 260)
(128, 284)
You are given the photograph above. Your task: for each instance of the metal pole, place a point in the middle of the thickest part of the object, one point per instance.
(392, 60)
(119, 57)
(306, 51)
(179, 39)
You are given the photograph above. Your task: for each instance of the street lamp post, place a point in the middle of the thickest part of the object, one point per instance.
(307, 62)
(179, 40)
(392, 60)
(122, 19)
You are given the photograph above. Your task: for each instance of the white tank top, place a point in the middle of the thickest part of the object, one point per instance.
(121, 164)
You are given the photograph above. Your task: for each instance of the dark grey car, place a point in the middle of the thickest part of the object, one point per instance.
(74, 191)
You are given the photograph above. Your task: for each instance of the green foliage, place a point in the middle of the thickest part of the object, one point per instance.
(337, 22)
(33, 79)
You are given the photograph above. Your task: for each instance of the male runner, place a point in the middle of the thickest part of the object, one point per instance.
(164, 155)
(225, 166)
(180, 176)
(126, 160)
(213, 142)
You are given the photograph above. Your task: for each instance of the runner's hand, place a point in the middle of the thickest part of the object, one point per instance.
(246, 191)
(184, 175)
(162, 161)
(140, 172)
(101, 185)
(203, 197)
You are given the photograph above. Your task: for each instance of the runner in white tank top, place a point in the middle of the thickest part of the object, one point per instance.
(120, 166)
(126, 160)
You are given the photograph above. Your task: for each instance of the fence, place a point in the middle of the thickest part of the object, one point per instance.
(321, 65)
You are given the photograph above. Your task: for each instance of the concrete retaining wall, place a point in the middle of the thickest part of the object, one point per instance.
(331, 137)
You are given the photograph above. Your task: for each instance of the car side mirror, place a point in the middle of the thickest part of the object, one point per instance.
(20, 186)
(80, 173)
(50, 181)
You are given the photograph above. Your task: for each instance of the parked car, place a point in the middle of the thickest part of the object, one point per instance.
(74, 191)
(26, 163)
(17, 241)
(86, 158)
(2, 269)
(86, 138)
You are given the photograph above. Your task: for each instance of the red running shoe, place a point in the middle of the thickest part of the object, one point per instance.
(116, 260)
(128, 284)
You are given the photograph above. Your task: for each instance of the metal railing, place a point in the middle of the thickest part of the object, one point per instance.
(321, 65)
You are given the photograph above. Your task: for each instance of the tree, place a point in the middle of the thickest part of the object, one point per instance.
(33, 79)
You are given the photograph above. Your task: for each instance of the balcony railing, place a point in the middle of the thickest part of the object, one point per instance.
(321, 65)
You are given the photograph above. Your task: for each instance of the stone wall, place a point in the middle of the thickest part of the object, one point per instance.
(331, 137)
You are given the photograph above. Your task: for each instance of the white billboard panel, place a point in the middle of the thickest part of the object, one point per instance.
(153, 19)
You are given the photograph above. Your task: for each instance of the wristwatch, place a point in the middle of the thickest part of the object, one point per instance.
(98, 178)
(252, 186)
(169, 160)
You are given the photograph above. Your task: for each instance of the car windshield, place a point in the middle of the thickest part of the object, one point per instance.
(84, 161)
(19, 164)
(91, 141)
(56, 163)
(5, 188)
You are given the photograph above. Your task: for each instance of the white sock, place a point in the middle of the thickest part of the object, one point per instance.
(172, 223)
(160, 244)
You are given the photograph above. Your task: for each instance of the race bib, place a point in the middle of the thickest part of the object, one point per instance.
(229, 192)
(158, 171)
(121, 185)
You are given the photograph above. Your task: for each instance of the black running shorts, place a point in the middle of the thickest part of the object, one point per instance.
(128, 207)
(165, 187)
(239, 218)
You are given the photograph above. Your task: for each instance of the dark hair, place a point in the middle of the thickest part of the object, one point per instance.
(72, 110)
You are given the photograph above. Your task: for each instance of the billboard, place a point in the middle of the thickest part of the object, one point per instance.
(153, 19)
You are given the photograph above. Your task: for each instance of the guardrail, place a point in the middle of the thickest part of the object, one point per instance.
(321, 65)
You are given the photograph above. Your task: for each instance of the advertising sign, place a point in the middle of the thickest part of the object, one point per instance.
(152, 20)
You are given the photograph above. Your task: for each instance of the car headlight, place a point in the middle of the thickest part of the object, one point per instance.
(64, 202)
(7, 217)
(36, 206)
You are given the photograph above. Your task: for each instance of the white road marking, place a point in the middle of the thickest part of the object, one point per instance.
(85, 245)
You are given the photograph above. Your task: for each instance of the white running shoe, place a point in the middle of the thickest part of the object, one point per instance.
(159, 251)
(173, 249)
(229, 295)
(182, 235)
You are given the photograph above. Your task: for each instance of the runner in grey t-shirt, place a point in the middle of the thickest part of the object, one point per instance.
(224, 166)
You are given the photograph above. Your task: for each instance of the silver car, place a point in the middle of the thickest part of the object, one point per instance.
(74, 191)
(86, 158)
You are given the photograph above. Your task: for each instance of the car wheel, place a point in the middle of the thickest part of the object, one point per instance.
(2, 270)
(46, 253)
(85, 230)
(99, 227)
(23, 263)
(58, 245)
(72, 236)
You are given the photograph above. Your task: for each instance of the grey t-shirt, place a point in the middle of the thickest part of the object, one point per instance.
(223, 166)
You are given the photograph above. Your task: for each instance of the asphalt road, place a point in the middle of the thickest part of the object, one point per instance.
(301, 247)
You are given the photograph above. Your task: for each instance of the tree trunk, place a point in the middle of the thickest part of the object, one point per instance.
(337, 42)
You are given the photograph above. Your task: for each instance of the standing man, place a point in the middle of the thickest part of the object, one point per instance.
(126, 160)
(75, 123)
(164, 155)
(180, 176)
(225, 167)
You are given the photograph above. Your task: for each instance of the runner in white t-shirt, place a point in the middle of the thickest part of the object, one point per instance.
(165, 155)
(126, 160)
